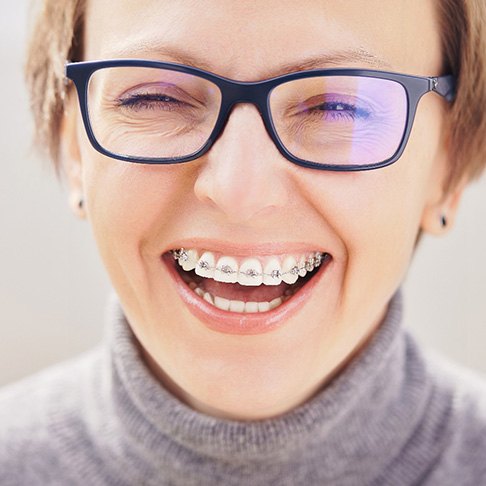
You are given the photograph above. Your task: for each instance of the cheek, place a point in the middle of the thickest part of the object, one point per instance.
(130, 204)
(375, 216)
(372, 206)
(122, 197)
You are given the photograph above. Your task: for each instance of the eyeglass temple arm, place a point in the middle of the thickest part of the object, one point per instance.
(445, 86)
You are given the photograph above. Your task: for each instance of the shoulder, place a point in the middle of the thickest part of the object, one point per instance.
(40, 416)
(462, 458)
(466, 386)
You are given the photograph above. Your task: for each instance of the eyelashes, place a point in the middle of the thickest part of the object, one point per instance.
(339, 110)
(150, 101)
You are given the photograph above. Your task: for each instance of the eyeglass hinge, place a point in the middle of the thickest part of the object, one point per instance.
(445, 86)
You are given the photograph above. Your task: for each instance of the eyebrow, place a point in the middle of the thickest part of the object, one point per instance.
(328, 59)
(337, 58)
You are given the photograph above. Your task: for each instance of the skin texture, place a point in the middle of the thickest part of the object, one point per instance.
(244, 190)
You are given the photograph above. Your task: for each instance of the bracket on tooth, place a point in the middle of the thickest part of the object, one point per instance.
(276, 274)
(294, 270)
(203, 264)
(309, 265)
(252, 273)
(178, 254)
(227, 270)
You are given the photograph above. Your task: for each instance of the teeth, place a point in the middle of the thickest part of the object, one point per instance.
(208, 298)
(238, 305)
(221, 303)
(250, 272)
(251, 307)
(276, 302)
(188, 259)
(226, 270)
(310, 264)
(205, 265)
(302, 267)
(272, 272)
(263, 306)
(290, 270)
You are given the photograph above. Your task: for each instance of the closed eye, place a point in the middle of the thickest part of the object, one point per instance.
(151, 101)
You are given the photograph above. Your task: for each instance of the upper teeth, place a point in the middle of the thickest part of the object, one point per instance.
(249, 271)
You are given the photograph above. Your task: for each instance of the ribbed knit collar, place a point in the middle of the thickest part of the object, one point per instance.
(354, 428)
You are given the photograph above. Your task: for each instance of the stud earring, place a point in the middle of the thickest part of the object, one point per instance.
(443, 221)
(81, 203)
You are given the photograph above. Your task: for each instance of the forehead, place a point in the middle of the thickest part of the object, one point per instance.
(253, 40)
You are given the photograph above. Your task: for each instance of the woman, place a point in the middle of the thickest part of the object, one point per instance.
(257, 176)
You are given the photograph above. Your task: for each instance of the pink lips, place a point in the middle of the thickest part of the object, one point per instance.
(241, 323)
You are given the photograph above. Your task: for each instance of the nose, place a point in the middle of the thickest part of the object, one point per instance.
(243, 175)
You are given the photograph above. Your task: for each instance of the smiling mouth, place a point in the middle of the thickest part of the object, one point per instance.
(246, 285)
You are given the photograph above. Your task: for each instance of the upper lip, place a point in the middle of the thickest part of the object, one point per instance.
(246, 249)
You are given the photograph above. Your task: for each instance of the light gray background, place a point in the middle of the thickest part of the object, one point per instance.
(53, 288)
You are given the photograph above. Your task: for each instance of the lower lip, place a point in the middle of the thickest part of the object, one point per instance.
(242, 323)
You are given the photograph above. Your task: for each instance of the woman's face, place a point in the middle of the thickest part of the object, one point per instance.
(244, 199)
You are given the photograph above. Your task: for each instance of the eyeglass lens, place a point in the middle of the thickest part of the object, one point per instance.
(335, 120)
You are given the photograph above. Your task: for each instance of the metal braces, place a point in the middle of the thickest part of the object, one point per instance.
(313, 262)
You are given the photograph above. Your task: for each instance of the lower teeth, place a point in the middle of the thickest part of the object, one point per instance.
(238, 305)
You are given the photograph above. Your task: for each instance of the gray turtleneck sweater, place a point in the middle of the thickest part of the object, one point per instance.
(393, 417)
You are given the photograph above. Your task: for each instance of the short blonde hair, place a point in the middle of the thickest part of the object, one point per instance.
(58, 28)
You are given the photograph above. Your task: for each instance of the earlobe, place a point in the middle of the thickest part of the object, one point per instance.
(76, 203)
(439, 217)
(70, 159)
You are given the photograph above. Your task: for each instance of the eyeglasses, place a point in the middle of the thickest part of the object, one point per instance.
(333, 119)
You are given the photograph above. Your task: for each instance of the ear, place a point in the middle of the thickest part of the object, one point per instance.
(70, 157)
(444, 191)
(443, 210)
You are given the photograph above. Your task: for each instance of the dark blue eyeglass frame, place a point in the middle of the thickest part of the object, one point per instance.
(258, 94)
